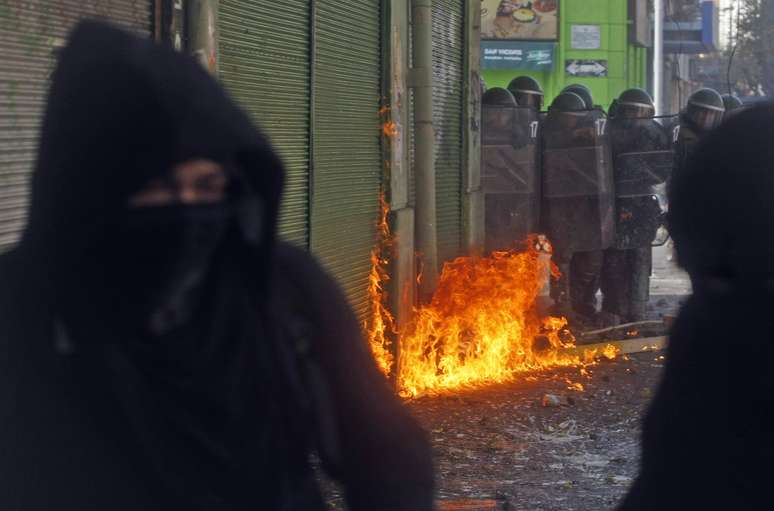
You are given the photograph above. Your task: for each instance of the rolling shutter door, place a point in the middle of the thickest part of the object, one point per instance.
(448, 70)
(348, 162)
(265, 65)
(30, 33)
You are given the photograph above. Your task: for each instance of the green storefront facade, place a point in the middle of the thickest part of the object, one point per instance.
(609, 23)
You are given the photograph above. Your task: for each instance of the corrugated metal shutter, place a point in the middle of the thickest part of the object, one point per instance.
(30, 33)
(348, 161)
(448, 71)
(265, 64)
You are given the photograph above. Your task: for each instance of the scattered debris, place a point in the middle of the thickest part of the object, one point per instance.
(551, 400)
(515, 453)
(466, 505)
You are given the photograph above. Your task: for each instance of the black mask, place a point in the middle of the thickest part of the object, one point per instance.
(163, 255)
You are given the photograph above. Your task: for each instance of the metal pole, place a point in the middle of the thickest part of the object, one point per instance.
(424, 146)
(203, 33)
(658, 55)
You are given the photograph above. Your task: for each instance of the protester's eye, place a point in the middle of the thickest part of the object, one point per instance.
(155, 193)
(211, 187)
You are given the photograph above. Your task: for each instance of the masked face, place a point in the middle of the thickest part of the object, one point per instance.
(166, 242)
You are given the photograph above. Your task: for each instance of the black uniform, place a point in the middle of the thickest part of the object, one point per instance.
(260, 360)
(706, 440)
(510, 172)
(703, 113)
(578, 202)
(642, 156)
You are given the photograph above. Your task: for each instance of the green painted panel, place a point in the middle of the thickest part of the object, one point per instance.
(448, 75)
(347, 152)
(627, 65)
(265, 65)
(619, 37)
(616, 65)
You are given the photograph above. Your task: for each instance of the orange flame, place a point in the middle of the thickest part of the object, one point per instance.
(382, 322)
(390, 129)
(480, 327)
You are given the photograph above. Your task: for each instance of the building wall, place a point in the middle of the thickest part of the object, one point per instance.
(626, 63)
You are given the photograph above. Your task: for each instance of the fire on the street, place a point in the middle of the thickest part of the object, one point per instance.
(480, 327)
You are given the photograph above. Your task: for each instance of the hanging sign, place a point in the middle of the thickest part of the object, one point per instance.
(517, 55)
(585, 37)
(595, 68)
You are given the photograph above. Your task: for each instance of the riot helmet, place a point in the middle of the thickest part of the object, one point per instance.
(497, 96)
(731, 102)
(584, 93)
(613, 108)
(527, 92)
(567, 109)
(705, 109)
(567, 102)
(497, 110)
(635, 104)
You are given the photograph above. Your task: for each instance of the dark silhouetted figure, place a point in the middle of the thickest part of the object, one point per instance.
(707, 438)
(161, 350)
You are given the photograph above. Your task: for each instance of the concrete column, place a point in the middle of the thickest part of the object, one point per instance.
(421, 81)
(473, 200)
(658, 55)
(203, 33)
(402, 285)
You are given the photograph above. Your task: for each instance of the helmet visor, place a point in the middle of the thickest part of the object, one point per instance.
(634, 110)
(704, 118)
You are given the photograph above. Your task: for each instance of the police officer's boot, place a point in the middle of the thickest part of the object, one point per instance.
(641, 266)
(585, 270)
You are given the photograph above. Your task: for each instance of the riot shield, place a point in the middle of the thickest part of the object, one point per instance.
(509, 174)
(643, 160)
(578, 192)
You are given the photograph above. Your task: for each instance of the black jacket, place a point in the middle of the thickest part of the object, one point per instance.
(87, 425)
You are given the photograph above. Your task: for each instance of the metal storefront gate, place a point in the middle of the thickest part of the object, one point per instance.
(310, 73)
(31, 32)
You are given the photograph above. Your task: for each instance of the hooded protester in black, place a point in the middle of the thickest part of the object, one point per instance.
(706, 441)
(176, 356)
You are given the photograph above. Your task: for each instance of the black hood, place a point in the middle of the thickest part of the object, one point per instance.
(721, 214)
(123, 110)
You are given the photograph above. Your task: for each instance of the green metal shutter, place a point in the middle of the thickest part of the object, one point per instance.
(448, 70)
(265, 64)
(348, 162)
(30, 33)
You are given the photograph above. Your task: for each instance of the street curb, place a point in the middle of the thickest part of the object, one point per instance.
(625, 346)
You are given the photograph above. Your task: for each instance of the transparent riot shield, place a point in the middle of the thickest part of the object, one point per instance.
(509, 174)
(578, 192)
(643, 158)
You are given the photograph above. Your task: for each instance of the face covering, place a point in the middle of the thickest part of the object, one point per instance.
(163, 255)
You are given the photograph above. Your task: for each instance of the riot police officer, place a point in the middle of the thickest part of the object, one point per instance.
(527, 92)
(509, 169)
(611, 111)
(703, 113)
(732, 104)
(642, 160)
(577, 208)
